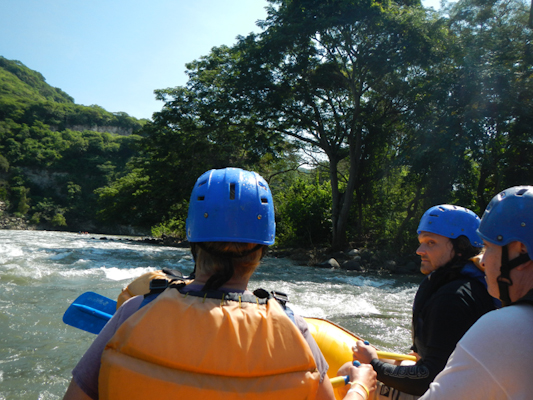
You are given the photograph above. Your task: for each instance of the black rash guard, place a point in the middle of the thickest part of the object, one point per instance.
(446, 305)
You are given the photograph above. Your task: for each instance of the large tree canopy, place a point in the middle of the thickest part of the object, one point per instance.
(338, 77)
(335, 76)
(406, 108)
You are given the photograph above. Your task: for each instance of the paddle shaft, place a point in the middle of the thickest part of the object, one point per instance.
(395, 356)
(339, 381)
(93, 311)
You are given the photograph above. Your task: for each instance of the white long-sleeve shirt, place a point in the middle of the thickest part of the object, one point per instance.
(493, 360)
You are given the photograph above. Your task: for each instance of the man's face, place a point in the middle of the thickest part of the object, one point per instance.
(491, 261)
(434, 251)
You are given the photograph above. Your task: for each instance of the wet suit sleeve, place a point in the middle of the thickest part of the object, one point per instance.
(446, 319)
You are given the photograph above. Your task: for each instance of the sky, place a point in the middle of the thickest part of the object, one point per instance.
(115, 53)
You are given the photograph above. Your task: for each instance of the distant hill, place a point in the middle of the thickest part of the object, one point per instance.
(25, 97)
(18, 81)
(54, 153)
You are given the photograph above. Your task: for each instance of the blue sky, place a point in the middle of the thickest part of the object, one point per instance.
(115, 53)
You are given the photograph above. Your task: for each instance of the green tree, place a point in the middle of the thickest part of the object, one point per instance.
(491, 103)
(49, 213)
(330, 77)
(470, 135)
(59, 220)
(20, 199)
(333, 76)
(303, 210)
(4, 164)
(186, 138)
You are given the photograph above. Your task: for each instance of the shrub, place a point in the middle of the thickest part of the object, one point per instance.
(304, 211)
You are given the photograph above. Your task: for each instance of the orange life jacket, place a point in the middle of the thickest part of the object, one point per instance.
(182, 346)
(141, 284)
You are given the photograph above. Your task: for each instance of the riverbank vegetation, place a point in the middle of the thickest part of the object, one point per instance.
(360, 114)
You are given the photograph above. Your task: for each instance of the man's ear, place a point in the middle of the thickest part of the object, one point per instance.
(517, 247)
(523, 250)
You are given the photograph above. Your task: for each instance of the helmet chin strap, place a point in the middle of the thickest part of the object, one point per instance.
(504, 280)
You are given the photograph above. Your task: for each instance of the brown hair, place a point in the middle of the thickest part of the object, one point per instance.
(463, 250)
(223, 260)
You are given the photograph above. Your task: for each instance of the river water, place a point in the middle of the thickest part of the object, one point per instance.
(41, 273)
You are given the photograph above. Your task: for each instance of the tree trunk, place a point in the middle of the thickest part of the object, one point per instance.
(335, 199)
(339, 241)
(531, 15)
(411, 210)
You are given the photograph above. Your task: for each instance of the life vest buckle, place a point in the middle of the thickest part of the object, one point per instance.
(158, 285)
(281, 297)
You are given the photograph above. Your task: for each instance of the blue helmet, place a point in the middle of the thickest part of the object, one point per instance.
(451, 221)
(231, 205)
(509, 218)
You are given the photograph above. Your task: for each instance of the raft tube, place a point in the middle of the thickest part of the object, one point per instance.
(334, 341)
(336, 344)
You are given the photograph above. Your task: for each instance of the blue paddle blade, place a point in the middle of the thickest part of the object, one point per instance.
(90, 312)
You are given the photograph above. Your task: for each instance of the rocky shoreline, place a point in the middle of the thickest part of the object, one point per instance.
(16, 223)
(360, 260)
(352, 259)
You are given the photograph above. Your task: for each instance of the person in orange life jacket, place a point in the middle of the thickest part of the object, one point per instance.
(493, 359)
(212, 338)
(451, 298)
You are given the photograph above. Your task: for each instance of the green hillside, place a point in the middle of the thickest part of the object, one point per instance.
(21, 83)
(25, 97)
(55, 153)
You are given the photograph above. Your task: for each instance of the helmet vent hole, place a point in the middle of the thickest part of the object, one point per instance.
(264, 200)
(262, 185)
(201, 198)
(202, 183)
(232, 191)
(521, 192)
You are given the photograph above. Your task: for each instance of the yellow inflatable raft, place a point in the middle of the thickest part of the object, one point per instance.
(334, 341)
(336, 344)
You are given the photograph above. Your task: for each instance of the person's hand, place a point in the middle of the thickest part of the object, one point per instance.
(364, 353)
(364, 375)
(345, 369)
